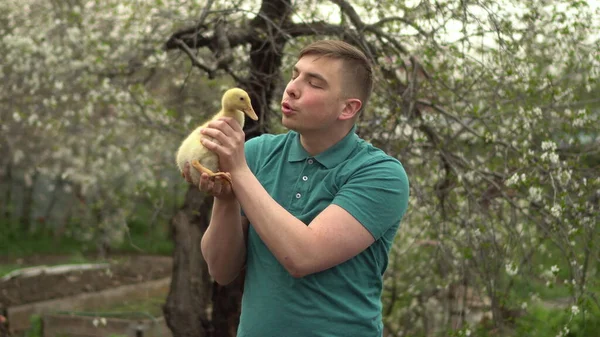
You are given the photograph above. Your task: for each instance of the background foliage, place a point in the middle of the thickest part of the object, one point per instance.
(491, 106)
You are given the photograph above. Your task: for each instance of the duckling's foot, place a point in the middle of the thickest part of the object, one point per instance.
(200, 168)
(225, 175)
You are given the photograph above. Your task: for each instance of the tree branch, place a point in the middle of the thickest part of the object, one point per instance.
(193, 38)
(314, 28)
(351, 13)
(205, 12)
(347, 9)
(194, 59)
(383, 21)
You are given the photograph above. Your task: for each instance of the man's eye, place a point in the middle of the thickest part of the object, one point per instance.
(312, 84)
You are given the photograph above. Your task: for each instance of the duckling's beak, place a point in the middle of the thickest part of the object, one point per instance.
(250, 112)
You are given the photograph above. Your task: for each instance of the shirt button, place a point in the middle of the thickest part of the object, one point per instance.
(310, 161)
(298, 195)
(305, 178)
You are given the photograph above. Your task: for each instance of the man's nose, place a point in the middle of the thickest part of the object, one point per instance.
(292, 90)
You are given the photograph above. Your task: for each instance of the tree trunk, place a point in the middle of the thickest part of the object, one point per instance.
(45, 218)
(27, 206)
(186, 309)
(8, 204)
(227, 307)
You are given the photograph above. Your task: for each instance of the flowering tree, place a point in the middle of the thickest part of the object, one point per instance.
(491, 107)
(73, 89)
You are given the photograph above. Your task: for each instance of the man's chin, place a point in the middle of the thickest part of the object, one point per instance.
(288, 124)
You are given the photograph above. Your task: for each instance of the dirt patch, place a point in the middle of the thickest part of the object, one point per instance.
(123, 270)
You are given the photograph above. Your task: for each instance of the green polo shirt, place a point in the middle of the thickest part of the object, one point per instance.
(344, 300)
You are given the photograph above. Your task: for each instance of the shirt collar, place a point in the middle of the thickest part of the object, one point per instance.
(328, 158)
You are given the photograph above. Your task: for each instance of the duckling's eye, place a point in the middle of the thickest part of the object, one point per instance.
(241, 98)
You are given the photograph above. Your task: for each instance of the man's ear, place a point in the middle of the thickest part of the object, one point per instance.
(351, 108)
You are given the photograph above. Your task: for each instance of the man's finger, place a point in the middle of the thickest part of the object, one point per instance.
(212, 146)
(203, 186)
(218, 186)
(232, 123)
(221, 139)
(211, 185)
(223, 124)
(186, 172)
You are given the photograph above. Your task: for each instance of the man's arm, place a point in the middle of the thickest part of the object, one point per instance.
(224, 243)
(333, 237)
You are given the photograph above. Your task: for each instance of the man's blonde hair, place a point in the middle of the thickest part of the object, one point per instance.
(356, 66)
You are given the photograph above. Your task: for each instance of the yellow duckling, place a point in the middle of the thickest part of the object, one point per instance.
(235, 103)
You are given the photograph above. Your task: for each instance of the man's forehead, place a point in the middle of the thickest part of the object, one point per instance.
(324, 65)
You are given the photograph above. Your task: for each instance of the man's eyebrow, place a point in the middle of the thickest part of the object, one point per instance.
(311, 74)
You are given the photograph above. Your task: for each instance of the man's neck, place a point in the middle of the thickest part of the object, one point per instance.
(318, 142)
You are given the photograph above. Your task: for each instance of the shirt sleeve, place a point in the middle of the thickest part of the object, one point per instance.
(376, 195)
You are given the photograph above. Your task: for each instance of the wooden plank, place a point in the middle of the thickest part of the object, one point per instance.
(18, 316)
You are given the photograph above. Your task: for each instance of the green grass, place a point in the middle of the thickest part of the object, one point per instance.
(142, 237)
(36, 329)
(15, 245)
(22, 245)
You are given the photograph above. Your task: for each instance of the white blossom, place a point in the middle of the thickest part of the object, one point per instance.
(535, 194)
(575, 310)
(565, 176)
(548, 145)
(32, 119)
(564, 332)
(556, 211)
(513, 180)
(511, 269)
(550, 156)
(18, 156)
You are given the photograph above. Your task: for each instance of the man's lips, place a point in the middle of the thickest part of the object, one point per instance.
(286, 108)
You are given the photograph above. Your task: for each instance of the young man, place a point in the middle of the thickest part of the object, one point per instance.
(312, 213)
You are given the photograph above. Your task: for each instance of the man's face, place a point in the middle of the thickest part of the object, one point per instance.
(312, 99)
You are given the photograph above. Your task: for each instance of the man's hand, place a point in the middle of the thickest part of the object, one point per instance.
(231, 137)
(217, 187)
